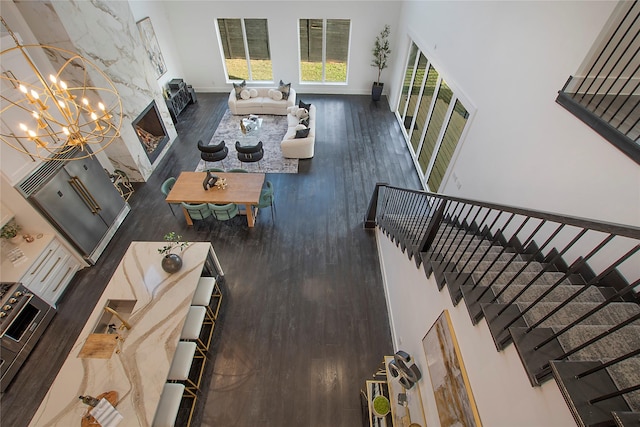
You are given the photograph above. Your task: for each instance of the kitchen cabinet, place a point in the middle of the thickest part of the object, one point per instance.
(5, 215)
(46, 268)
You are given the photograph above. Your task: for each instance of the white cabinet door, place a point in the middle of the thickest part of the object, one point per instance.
(51, 272)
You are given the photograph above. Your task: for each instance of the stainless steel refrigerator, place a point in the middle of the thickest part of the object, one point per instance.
(79, 199)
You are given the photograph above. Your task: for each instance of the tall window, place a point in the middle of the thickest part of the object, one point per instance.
(433, 117)
(245, 43)
(324, 50)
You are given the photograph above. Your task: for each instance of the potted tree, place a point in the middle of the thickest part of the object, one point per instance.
(381, 52)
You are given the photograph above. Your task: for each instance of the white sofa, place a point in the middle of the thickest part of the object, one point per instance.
(299, 148)
(261, 103)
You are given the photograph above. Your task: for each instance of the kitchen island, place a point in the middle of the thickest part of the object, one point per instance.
(137, 368)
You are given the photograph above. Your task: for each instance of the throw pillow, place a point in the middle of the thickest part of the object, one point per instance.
(238, 88)
(284, 88)
(302, 133)
(253, 93)
(300, 127)
(244, 94)
(292, 110)
(302, 113)
(303, 105)
(305, 122)
(276, 95)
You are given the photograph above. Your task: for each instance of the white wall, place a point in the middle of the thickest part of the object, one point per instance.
(509, 59)
(157, 12)
(501, 389)
(194, 33)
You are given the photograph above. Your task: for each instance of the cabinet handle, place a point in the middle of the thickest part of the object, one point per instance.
(50, 270)
(43, 260)
(63, 280)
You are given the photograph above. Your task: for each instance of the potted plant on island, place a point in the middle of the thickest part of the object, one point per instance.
(381, 51)
(172, 262)
(10, 231)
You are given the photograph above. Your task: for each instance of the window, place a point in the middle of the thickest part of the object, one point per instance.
(324, 50)
(245, 44)
(433, 117)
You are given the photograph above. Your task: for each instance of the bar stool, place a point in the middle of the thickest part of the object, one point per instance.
(193, 324)
(207, 289)
(181, 364)
(169, 405)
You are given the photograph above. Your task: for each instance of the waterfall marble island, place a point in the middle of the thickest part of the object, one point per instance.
(154, 305)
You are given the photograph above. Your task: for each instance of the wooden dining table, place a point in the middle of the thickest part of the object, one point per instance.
(242, 189)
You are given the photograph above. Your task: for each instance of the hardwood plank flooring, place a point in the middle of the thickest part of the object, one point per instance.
(304, 320)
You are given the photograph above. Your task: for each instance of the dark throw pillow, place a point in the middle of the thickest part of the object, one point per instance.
(238, 88)
(303, 133)
(305, 122)
(284, 88)
(303, 105)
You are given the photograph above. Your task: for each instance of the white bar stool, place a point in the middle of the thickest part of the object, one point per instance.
(193, 324)
(169, 405)
(182, 361)
(208, 289)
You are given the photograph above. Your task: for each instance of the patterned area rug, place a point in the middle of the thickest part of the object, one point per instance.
(271, 133)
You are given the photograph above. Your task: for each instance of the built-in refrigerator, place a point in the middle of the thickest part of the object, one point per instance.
(80, 200)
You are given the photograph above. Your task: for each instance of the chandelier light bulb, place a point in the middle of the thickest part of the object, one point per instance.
(101, 106)
(65, 130)
(85, 101)
(31, 133)
(94, 116)
(63, 85)
(53, 79)
(23, 127)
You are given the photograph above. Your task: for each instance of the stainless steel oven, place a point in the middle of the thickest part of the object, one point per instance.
(23, 319)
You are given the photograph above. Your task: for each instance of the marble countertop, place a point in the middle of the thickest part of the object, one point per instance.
(13, 271)
(139, 372)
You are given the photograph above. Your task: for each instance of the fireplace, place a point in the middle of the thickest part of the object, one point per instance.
(151, 131)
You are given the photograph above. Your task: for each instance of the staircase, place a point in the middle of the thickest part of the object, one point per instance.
(560, 289)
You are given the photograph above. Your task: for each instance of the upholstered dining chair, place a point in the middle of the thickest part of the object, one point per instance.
(166, 188)
(224, 212)
(214, 170)
(250, 153)
(213, 153)
(268, 199)
(238, 170)
(198, 212)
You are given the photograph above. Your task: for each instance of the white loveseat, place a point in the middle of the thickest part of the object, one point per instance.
(261, 102)
(299, 148)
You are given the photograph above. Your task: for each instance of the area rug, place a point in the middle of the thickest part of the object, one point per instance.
(271, 134)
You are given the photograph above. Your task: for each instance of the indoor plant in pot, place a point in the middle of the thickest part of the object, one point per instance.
(10, 231)
(172, 262)
(381, 52)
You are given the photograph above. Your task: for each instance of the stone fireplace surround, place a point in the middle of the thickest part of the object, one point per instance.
(107, 33)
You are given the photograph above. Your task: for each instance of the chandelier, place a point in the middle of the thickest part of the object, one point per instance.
(76, 107)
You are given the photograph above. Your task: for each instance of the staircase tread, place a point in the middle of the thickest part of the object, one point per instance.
(610, 315)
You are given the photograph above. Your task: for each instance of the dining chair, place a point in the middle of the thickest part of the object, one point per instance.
(251, 153)
(198, 212)
(213, 153)
(166, 189)
(224, 212)
(268, 199)
(238, 170)
(214, 170)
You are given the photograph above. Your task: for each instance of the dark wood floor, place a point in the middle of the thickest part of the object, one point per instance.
(304, 321)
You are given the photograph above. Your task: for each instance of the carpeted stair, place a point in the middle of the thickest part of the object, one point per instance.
(499, 284)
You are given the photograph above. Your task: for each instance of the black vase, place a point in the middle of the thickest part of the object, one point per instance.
(171, 263)
(376, 91)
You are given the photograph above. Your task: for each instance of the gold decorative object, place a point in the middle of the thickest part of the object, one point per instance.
(71, 108)
(221, 183)
(243, 128)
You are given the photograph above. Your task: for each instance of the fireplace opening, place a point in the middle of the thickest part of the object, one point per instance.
(151, 131)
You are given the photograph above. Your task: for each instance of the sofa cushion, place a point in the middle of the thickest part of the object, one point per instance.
(284, 88)
(302, 133)
(245, 94)
(238, 87)
(274, 94)
(253, 93)
(303, 105)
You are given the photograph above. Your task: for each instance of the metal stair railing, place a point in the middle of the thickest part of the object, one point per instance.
(476, 245)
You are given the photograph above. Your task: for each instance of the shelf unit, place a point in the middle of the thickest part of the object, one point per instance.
(401, 415)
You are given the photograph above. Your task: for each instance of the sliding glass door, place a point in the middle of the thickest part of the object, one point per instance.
(433, 118)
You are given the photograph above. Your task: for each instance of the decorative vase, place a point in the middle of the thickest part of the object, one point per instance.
(171, 263)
